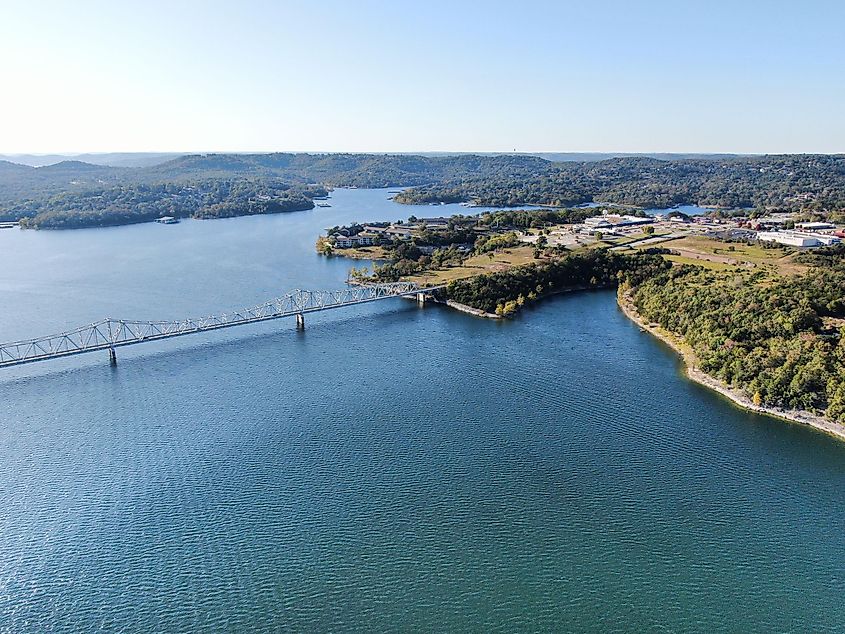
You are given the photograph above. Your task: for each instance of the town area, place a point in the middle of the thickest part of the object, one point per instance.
(439, 249)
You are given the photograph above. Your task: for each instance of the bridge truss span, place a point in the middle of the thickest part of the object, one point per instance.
(108, 334)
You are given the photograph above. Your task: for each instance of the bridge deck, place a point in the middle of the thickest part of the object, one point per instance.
(109, 334)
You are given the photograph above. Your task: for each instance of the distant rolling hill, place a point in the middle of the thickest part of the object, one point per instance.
(79, 193)
(343, 170)
(23, 181)
(108, 159)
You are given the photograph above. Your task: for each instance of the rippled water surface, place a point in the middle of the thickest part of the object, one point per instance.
(391, 468)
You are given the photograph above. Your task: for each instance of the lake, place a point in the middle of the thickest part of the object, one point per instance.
(392, 467)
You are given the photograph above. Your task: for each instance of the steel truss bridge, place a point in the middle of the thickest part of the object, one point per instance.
(108, 334)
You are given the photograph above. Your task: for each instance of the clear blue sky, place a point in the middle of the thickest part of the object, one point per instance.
(594, 75)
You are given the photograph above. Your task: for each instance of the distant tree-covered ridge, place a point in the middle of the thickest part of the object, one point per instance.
(334, 170)
(813, 183)
(806, 182)
(54, 190)
(126, 204)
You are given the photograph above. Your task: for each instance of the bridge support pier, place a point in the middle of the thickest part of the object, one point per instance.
(422, 298)
(300, 321)
(112, 357)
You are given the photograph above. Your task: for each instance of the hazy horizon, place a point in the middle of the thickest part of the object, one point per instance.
(147, 159)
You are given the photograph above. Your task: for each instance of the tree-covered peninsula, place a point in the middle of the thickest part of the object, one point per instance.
(126, 204)
(776, 338)
(504, 292)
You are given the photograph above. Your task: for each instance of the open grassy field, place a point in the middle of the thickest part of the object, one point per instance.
(695, 250)
(707, 264)
(640, 236)
(362, 253)
(478, 264)
(715, 254)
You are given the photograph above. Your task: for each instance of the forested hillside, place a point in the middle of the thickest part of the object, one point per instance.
(348, 170)
(74, 194)
(504, 292)
(812, 183)
(22, 182)
(808, 182)
(779, 339)
(210, 198)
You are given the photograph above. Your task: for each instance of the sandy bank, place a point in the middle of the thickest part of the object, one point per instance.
(738, 398)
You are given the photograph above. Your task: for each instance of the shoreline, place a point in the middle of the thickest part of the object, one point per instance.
(463, 308)
(738, 398)
(477, 312)
(469, 310)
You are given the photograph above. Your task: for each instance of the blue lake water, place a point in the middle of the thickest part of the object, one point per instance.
(391, 468)
(690, 210)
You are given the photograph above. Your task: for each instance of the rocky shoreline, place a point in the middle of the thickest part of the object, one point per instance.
(470, 310)
(737, 397)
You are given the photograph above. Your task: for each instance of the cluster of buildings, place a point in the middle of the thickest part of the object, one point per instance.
(377, 234)
(341, 241)
(799, 238)
(608, 223)
(804, 235)
(768, 229)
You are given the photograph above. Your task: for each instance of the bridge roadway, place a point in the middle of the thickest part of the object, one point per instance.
(109, 334)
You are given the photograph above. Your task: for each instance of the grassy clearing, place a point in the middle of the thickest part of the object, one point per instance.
(362, 253)
(478, 264)
(707, 264)
(640, 236)
(712, 253)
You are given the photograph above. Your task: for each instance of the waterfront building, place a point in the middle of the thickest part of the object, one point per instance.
(359, 240)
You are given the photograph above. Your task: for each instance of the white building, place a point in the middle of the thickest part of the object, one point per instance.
(814, 226)
(825, 238)
(628, 221)
(596, 222)
(610, 221)
(361, 240)
(798, 238)
(789, 238)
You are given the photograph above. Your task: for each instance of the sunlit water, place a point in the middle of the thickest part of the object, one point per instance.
(391, 468)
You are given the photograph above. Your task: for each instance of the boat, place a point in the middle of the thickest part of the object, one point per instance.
(167, 220)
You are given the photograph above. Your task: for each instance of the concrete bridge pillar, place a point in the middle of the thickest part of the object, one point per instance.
(112, 357)
(422, 298)
(300, 321)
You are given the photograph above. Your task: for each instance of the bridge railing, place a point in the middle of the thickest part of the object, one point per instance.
(108, 334)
